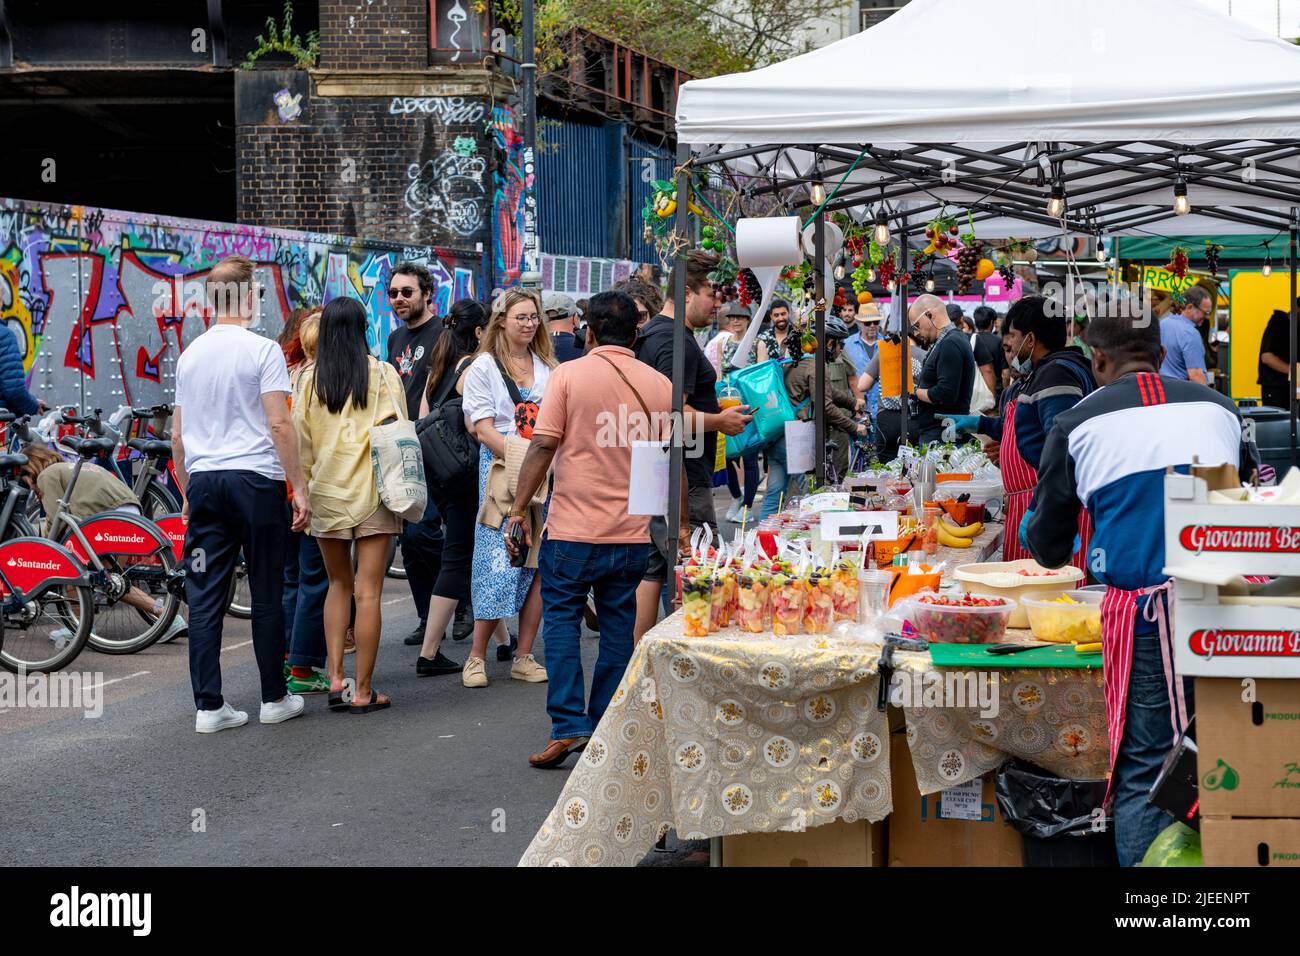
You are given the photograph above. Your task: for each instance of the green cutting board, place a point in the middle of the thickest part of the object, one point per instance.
(977, 655)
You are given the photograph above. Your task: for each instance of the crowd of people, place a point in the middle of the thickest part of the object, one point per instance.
(272, 451)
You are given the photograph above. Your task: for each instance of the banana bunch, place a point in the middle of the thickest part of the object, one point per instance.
(950, 536)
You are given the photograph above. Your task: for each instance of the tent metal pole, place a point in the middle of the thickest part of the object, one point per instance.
(680, 227)
(900, 286)
(819, 325)
(1295, 237)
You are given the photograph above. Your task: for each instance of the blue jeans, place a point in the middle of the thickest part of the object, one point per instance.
(749, 465)
(305, 586)
(569, 571)
(1148, 739)
(777, 479)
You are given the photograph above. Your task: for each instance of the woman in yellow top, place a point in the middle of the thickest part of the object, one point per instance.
(335, 403)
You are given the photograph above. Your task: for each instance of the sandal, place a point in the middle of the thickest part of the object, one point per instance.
(375, 704)
(337, 702)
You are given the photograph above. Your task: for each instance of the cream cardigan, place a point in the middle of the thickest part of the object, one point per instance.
(335, 449)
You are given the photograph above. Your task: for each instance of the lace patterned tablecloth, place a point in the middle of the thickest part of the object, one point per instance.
(752, 733)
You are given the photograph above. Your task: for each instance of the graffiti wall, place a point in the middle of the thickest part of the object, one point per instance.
(102, 302)
(507, 198)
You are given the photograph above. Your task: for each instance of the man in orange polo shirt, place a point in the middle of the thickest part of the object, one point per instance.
(595, 408)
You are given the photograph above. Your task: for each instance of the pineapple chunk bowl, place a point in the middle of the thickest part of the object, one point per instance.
(1069, 617)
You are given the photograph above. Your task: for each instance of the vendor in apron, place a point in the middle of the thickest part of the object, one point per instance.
(1056, 378)
(1110, 453)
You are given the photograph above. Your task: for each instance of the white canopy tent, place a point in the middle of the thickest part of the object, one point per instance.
(994, 107)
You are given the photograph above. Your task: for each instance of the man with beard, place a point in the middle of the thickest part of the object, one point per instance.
(776, 342)
(409, 347)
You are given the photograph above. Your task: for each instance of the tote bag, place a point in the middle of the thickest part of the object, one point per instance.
(762, 388)
(981, 399)
(398, 462)
(751, 439)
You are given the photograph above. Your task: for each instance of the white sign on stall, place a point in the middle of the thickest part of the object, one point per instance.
(854, 525)
(647, 492)
(800, 439)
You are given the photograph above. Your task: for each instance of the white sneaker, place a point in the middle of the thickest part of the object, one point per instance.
(286, 708)
(223, 718)
(733, 513)
(176, 629)
(61, 637)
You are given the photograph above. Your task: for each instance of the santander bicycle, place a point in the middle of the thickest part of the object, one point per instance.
(110, 580)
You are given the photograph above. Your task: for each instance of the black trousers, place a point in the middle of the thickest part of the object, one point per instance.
(230, 510)
(421, 544)
(1275, 395)
(889, 422)
(459, 515)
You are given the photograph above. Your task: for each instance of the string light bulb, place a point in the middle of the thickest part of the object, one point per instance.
(871, 275)
(929, 284)
(1056, 204)
(839, 271)
(1101, 251)
(1268, 267)
(881, 233)
(1181, 206)
(818, 192)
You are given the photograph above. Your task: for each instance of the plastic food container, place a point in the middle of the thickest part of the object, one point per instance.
(959, 623)
(1073, 621)
(1016, 580)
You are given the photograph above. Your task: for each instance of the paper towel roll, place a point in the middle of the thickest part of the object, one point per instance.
(768, 242)
(833, 238)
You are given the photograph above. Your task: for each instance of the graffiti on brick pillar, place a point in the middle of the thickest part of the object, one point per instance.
(446, 109)
(448, 188)
(507, 198)
(108, 300)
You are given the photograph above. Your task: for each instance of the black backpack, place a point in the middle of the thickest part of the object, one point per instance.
(450, 451)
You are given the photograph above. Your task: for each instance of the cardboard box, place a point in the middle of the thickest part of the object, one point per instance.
(1248, 753)
(1226, 842)
(834, 844)
(920, 834)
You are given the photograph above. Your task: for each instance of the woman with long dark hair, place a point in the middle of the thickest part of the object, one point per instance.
(465, 322)
(336, 403)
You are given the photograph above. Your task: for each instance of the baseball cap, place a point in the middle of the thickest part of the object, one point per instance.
(559, 303)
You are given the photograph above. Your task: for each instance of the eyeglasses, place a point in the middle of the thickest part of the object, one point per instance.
(527, 319)
(408, 293)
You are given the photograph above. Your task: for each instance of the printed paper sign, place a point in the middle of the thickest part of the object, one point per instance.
(826, 501)
(647, 493)
(800, 437)
(963, 802)
(852, 525)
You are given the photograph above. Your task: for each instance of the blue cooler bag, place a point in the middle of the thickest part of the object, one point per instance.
(762, 388)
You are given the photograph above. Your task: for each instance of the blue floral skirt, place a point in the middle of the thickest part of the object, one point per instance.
(498, 590)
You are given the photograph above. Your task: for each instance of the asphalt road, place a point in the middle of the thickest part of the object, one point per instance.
(441, 778)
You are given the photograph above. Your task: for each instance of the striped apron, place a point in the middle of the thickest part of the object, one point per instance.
(1019, 479)
(1118, 620)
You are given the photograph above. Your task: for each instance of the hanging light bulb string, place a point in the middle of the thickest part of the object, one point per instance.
(834, 192)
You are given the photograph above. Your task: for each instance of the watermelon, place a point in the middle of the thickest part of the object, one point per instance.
(1177, 845)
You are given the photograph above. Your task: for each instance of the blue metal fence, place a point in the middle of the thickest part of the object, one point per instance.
(648, 163)
(573, 194)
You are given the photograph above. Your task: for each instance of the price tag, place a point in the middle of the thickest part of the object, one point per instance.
(825, 501)
(963, 802)
(852, 525)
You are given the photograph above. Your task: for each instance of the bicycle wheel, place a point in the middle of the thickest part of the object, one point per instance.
(240, 604)
(396, 569)
(158, 500)
(122, 627)
(47, 633)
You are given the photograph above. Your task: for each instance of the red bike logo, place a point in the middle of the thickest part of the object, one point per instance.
(27, 564)
(1215, 643)
(1236, 539)
(174, 528)
(117, 536)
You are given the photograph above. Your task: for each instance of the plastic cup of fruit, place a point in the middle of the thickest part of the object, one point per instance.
(818, 605)
(752, 603)
(787, 597)
(844, 593)
(696, 600)
(964, 619)
(718, 601)
(1073, 621)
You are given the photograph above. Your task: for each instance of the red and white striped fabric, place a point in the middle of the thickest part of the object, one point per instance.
(1019, 478)
(1118, 621)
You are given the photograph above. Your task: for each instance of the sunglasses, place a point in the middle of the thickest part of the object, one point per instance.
(402, 293)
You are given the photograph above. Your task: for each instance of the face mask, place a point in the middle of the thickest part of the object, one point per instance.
(1022, 366)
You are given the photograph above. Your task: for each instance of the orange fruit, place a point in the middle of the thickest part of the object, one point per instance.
(864, 297)
(984, 269)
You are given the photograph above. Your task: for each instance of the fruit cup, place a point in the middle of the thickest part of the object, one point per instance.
(752, 607)
(787, 595)
(844, 592)
(696, 598)
(818, 604)
(720, 599)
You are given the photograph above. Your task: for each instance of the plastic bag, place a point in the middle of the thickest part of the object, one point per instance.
(1043, 806)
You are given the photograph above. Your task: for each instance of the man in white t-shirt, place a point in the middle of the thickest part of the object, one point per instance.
(233, 443)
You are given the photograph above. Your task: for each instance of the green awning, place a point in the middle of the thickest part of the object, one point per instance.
(1159, 248)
